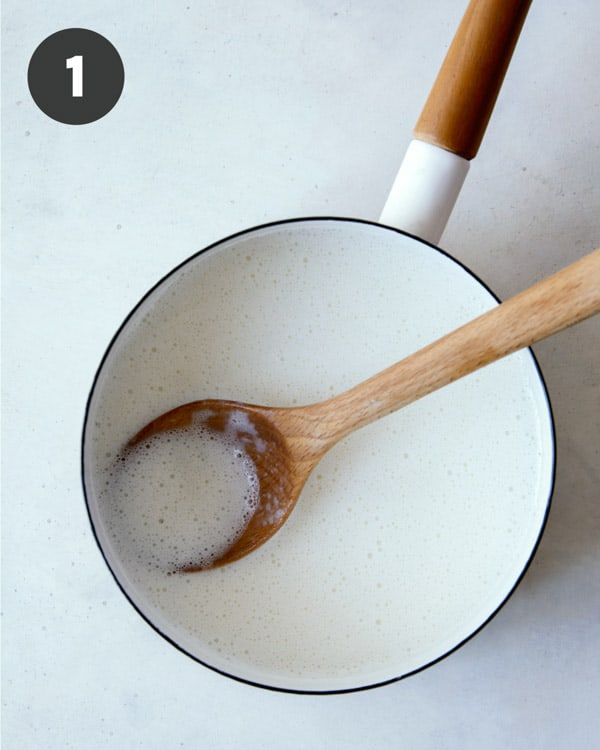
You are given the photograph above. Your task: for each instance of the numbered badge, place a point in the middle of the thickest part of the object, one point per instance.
(76, 76)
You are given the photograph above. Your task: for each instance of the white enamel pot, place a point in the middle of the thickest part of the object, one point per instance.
(412, 532)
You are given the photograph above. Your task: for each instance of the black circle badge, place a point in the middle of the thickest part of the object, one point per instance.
(75, 76)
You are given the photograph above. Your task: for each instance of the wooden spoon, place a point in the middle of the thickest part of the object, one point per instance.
(285, 444)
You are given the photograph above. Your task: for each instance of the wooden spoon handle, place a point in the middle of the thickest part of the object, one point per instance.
(461, 101)
(561, 300)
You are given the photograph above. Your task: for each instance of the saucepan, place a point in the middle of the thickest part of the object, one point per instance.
(411, 533)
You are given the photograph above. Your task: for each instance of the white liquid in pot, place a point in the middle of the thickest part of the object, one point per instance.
(409, 534)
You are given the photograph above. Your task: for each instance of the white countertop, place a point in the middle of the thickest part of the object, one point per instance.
(234, 114)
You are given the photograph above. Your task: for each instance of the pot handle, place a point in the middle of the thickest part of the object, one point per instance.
(451, 126)
(461, 101)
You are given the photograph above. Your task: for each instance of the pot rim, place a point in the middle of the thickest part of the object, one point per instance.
(232, 237)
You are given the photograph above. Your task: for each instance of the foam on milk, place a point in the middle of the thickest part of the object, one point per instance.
(409, 533)
(182, 497)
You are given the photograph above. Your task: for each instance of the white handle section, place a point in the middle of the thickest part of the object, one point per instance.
(425, 191)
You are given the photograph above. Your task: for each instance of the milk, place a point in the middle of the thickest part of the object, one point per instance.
(409, 534)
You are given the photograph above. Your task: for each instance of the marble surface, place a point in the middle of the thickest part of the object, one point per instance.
(234, 114)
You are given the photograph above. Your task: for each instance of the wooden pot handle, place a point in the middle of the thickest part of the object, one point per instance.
(461, 101)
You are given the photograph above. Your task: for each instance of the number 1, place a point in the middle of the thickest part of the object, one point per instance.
(76, 64)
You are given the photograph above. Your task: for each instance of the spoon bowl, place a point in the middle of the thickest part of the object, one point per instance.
(254, 429)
